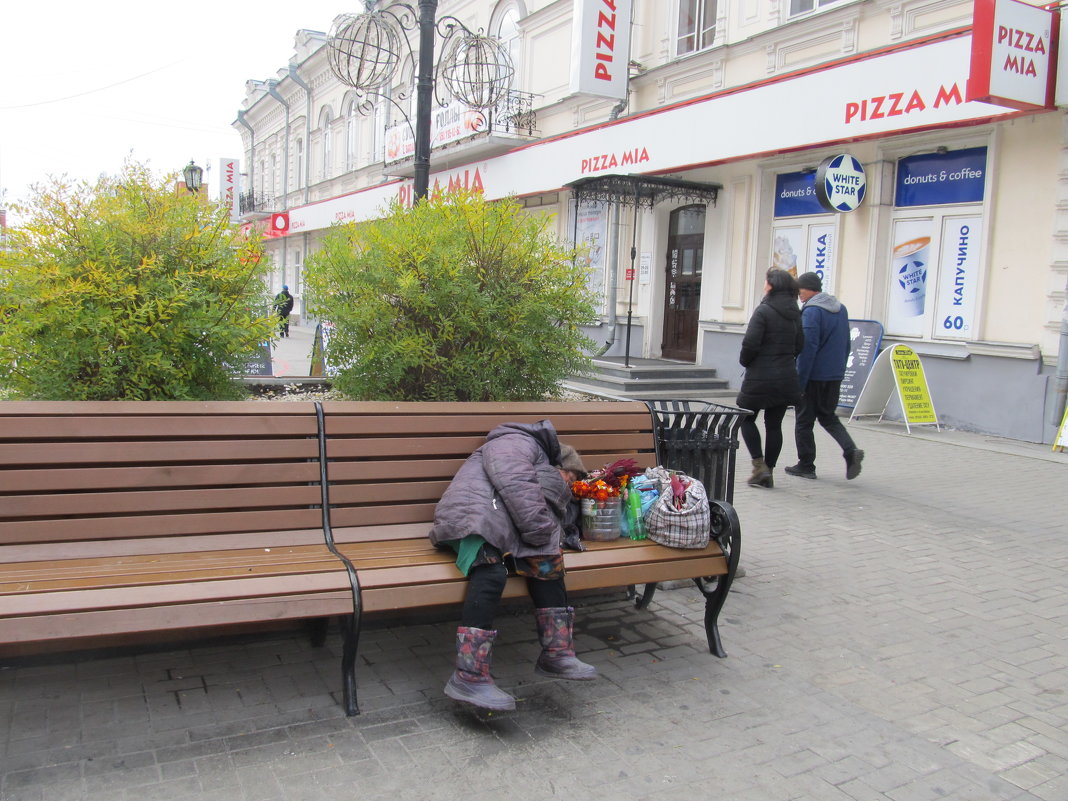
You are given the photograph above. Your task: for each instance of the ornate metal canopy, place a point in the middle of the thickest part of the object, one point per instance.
(638, 191)
(641, 190)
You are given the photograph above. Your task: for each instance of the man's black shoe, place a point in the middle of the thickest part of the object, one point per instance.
(801, 472)
(853, 460)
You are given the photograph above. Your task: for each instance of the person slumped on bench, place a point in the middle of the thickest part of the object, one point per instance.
(505, 510)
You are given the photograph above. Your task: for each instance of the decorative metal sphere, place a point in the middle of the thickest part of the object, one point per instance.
(364, 50)
(476, 69)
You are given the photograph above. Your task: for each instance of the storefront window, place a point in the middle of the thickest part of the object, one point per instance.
(804, 234)
(936, 245)
(590, 228)
(697, 25)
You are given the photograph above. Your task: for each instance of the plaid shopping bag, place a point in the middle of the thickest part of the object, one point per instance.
(685, 527)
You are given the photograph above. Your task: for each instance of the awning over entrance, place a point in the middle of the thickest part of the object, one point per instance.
(638, 191)
(641, 190)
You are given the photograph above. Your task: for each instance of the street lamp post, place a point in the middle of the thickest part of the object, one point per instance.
(194, 177)
(424, 92)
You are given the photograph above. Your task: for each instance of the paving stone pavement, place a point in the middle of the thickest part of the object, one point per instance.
(899, 637)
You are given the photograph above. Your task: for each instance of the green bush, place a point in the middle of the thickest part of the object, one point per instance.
(128, 290)
(453, 299)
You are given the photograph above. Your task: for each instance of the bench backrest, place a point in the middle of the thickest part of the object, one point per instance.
(389, 463)
(107, 478)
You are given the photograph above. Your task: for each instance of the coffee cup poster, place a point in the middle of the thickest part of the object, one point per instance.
(934, 277)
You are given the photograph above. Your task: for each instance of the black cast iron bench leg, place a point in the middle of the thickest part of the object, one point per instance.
(727, 531)
(350, 630)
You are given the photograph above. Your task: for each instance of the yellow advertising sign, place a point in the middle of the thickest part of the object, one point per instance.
(912, 389)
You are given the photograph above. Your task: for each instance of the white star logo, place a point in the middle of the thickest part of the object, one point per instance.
(844, 183)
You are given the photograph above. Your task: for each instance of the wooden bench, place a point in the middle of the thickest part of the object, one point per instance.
(120, 518)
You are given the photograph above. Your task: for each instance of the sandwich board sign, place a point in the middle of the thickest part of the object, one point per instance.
(898, 372)
(1061, 441)
(864, 339)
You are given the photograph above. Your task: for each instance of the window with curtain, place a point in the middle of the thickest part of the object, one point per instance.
(697, 25)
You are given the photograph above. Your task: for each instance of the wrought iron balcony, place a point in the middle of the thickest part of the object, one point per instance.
(258, 203)
(455, 128)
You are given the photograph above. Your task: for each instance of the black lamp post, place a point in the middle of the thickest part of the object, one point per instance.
(424, 91)
(194, 177)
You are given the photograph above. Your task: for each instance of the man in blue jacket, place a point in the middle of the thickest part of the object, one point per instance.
(820, 369)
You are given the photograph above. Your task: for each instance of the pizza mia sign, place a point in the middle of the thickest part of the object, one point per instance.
(1013, 45)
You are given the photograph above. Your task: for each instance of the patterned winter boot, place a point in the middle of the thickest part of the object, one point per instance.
(471, 682)
(555, 627)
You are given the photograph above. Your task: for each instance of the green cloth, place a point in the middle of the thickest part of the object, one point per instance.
(466, 551)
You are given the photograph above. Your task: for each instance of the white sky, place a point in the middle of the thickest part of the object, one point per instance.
(86, 84)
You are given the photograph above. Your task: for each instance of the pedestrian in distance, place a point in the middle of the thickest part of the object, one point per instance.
(283, 304)
(820, 369)
(505, 512)
(772, 341)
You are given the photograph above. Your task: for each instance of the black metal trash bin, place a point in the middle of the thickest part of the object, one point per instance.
(700, 439)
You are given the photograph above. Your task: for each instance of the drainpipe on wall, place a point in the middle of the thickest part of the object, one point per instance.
(252, 147)
(611, 259)
(1060, 381)
(307, 128)
(305, 239)
(272, 90)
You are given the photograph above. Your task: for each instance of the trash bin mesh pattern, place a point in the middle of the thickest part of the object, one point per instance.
(700, 439)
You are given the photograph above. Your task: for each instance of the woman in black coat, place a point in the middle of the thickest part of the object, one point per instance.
(769, 355)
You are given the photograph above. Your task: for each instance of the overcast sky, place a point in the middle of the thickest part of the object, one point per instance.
(87, 84)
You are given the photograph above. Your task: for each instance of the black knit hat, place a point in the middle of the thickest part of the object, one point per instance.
(809, 281)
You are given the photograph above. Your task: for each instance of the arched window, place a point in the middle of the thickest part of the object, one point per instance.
(505, 27)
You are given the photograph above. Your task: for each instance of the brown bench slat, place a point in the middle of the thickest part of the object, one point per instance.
(481, 410)
(75, 428)
(74, 625)
(111, 549)
(127, 409)
(175, 593)
(392, 598)
(142, 453)
(118, 503)
(162, 571)
(368, 448)
(466, 425)
(102, 478)
(157, 525)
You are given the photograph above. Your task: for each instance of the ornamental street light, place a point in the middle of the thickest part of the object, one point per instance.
(366, 50)
(194, 177)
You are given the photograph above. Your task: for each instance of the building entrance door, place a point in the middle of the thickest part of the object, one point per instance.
(682, 293)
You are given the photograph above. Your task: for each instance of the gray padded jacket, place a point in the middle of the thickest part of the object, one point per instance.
(509, 492)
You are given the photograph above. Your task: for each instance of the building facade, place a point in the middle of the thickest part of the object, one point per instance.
(748, 98)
